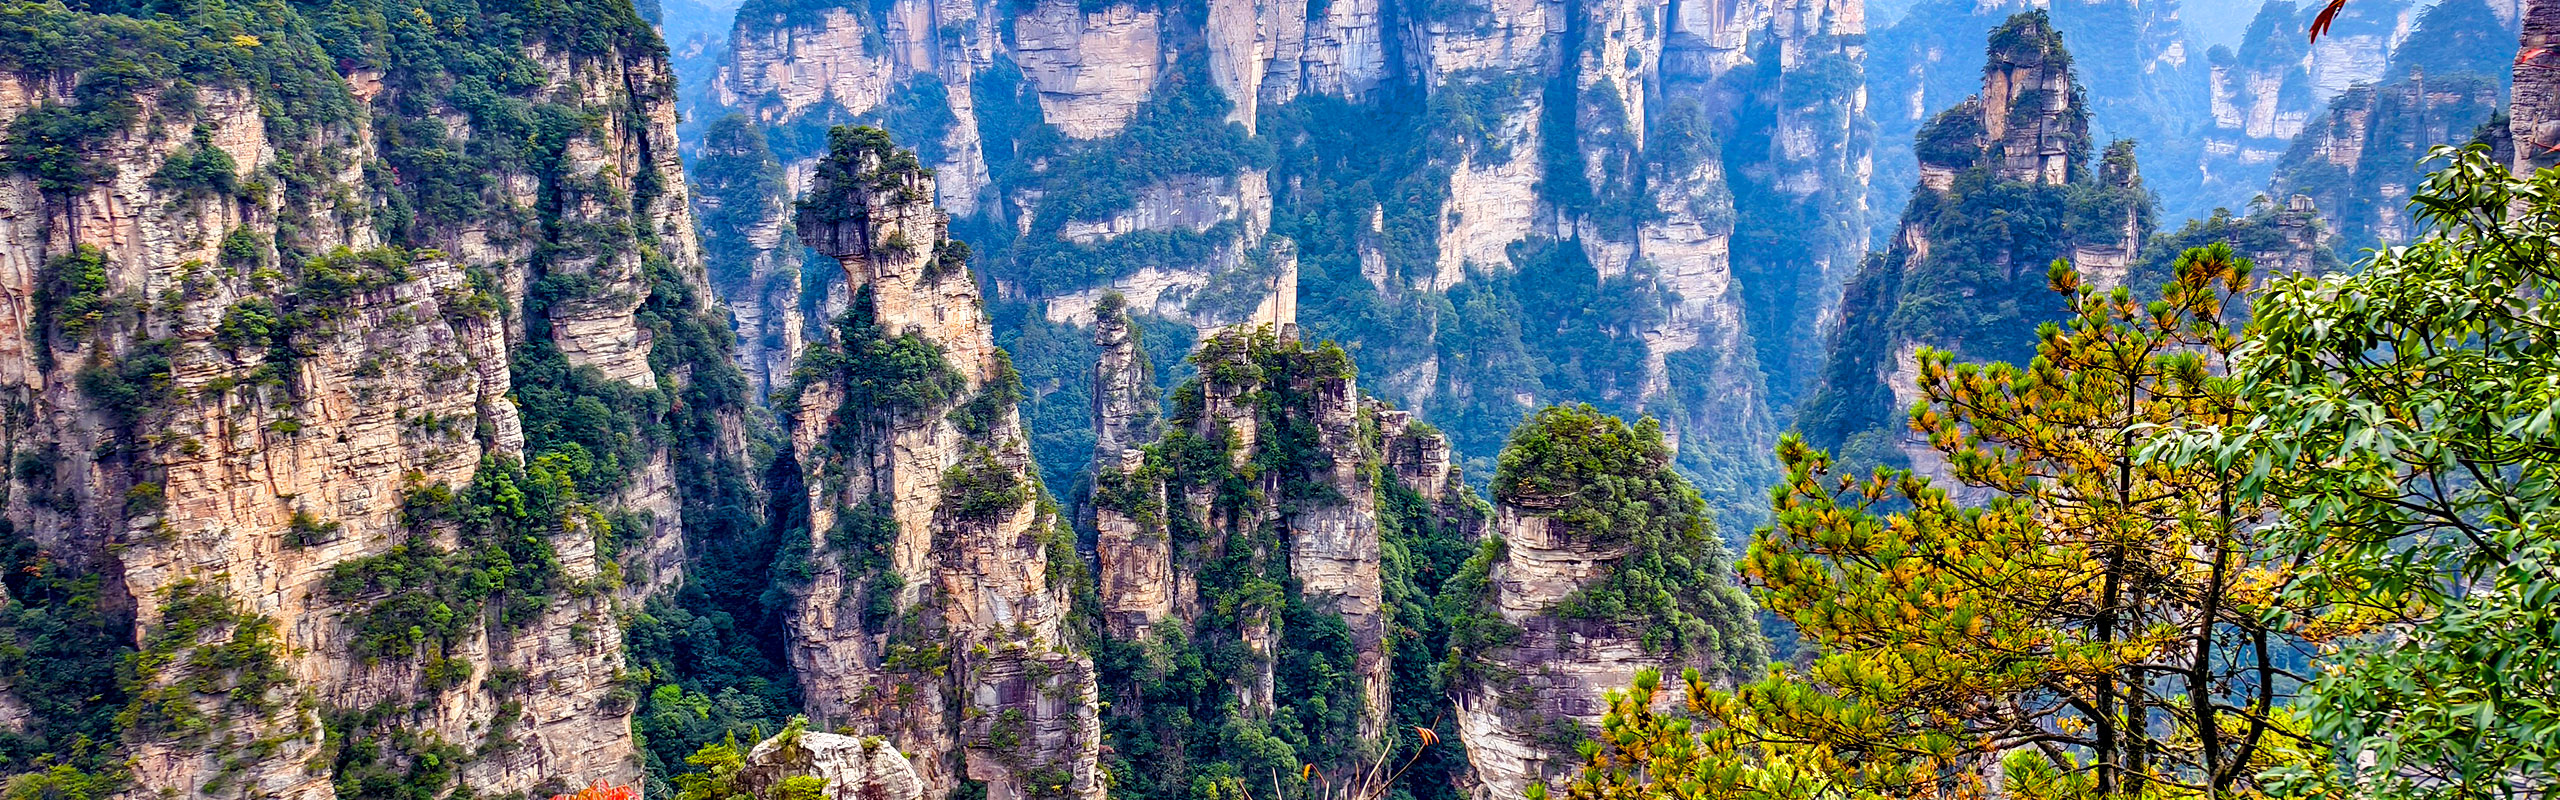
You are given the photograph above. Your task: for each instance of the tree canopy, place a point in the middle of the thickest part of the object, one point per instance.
(2311, 557)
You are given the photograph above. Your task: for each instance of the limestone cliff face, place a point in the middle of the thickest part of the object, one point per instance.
(250, 379)
(1556, 583)
(1163, 153)
(2026, 134)
(1261, 523)
(752, 254)
(2354, 159)
(2263, 95)
(1125, 407)
(1519, 727)
(1801, 199)
(1162, 524)
(936, 608)
(2533, 114)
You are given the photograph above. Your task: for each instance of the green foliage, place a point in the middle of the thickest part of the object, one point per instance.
(721, 667)
(880, 374)
(1552, 330)
(2263, 234)
(1974, 290)
(200, 169)
(71, 299)
(1179, 131)
(1790, 248)
(2100, 627)
(1423, 548)
(244, 250)
(861, 160)
(1952, 138)
(1057, 375)
(61, 645)
(1582, 126)
(2444, 82)
(737, 183)
(2402, 423)
(1611, 485)
(144, 499)
(306, 530)
(289, 325)
(377, 758)
(2456, 38)
(1465, 605)
(995, 400)
(1342, 168)
(1176, 729)
(131, 386)
(419, 600)
(706, 659)
(251, 322)
(473, 66)
(118, 56)
(982, 488)
(54, 143)
(204, 647)
(61, 782)
(720, 764)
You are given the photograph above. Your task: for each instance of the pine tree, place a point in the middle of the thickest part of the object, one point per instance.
(2098, 627)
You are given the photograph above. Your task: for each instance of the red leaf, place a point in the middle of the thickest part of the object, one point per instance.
(2328, 15)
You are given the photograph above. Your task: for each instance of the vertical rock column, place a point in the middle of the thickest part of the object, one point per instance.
(1333, 547)
(958, 652)
(2533, 117)
(1516, 717)
(1131, 548)
(1568, 547)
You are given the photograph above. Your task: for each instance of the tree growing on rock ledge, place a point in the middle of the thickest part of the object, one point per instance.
(1601, 478)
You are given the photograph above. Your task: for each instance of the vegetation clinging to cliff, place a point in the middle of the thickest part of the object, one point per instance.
(1177, 728)
(1611, 485)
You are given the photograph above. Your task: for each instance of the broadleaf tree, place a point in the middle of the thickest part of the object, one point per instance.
(2407, 423)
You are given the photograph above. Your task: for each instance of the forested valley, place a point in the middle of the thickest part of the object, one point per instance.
(1279, 399)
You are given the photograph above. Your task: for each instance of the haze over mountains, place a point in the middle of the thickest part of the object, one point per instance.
(1042, 398)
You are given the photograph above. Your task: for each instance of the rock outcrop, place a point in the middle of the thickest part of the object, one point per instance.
(2355, 159)
(2533, 114)
(2140, 78)
(2263, 95)
(1289, 420)
(752, 254)
(1528, 697)
(2026, 135)
(299, 369)
(850, 767)
(1800, 201)
(1279, 524)
(936, 609)
(1125, 407)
